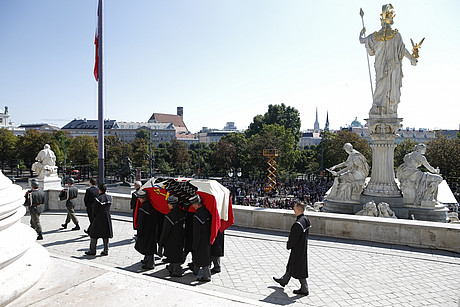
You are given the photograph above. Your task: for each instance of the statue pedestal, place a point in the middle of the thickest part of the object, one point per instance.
(22, 260)
(383, 134)
(49, 182)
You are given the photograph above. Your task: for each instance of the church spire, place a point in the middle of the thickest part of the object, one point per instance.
(326, 127)
(316, 125)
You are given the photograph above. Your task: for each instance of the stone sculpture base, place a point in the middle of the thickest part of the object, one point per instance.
(49, 182)
(431, 213)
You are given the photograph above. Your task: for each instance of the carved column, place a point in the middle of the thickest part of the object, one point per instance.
(383, 134)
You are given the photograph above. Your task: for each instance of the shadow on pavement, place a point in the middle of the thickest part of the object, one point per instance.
(81, 238)
(279, 297)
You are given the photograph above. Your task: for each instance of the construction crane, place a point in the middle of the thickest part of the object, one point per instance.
(271, 154)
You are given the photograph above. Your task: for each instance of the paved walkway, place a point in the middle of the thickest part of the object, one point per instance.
(342, 272)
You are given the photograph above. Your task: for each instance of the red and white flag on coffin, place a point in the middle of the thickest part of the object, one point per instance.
(96, 42)
(215, 197)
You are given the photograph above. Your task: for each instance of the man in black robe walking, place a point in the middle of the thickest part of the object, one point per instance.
(297, 266)
(201, 247)
(172, 237)
(147, 231)
(90, 196)
(101, 227)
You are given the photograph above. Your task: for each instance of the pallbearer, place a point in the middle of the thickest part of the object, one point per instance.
(35, 200)
(147, 230)
(201, 247)
(172, 237)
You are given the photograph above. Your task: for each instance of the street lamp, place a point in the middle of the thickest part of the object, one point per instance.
(150, 149)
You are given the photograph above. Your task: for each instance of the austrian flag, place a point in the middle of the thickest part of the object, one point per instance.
(96, 42)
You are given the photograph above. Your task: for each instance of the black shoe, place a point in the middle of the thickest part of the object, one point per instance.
(280, 281)
(191, 265)
(142, 261)
(88, 253)
(215, 270)
(64, 226)
(76, 227)
(85, 231)
(40, 237)
(104, 253)
(203, 279)
(165, 260)
(301, 292)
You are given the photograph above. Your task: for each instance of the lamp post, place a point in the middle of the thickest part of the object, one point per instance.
(64, 166)
(150, 155)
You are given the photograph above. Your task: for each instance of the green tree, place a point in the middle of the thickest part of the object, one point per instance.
(403, 149)
(7, 147)
(83, 150)
(180, 158)
(331, 147)
(445, 154)
(271, 137)
(288, 117)
(140, 152)
(113, 155)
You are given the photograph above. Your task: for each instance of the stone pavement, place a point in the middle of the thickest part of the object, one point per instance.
(342, 272)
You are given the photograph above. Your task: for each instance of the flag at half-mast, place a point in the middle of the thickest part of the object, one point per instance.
(96, 42)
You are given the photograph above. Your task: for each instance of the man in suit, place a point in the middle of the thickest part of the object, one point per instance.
(297, 266)
(35, 200)
(72, 193)
(90, 196)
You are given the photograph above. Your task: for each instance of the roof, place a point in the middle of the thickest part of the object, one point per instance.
(88, 124)
(32, 126)
(176, 120)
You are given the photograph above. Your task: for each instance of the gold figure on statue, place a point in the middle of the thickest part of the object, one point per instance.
(416, 47)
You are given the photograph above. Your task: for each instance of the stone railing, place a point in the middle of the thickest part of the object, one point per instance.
(383, 230)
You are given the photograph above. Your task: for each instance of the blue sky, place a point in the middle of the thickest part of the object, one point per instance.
(221, 60)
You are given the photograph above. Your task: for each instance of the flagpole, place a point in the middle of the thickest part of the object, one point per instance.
(100, 134)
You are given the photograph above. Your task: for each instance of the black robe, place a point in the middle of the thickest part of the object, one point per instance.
(217, 248)
(298, 238)
(90, 197)
(147, 229)
(101, 227)
(188, 238)
(172, 236)
(201, 237)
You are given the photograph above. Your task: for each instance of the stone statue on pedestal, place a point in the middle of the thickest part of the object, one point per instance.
(349, 181)
(418, 188)
(389, 50)
(46, 162)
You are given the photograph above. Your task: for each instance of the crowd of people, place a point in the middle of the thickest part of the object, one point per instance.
(253, 192)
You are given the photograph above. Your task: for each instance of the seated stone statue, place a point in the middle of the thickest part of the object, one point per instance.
(369, 209)
(418, 188)
(349, 181)
(46, 162)
(385, 211)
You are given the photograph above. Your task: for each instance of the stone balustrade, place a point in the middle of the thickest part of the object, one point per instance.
(376, 229)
